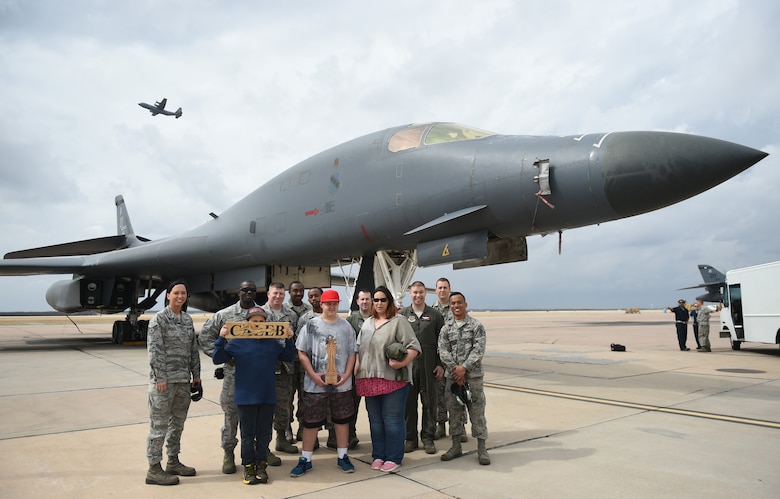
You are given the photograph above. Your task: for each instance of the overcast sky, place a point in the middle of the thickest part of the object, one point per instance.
(265, 85)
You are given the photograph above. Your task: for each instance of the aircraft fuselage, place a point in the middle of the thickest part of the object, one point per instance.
(448, 192)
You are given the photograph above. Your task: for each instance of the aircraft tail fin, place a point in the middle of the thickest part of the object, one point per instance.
(713, 280)
(711, 275)
(178, 113)
(125, 237)
(123, 225)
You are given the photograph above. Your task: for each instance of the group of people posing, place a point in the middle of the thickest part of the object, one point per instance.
(392, 358)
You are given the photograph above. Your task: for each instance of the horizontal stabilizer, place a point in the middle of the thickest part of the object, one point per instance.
(85, 247)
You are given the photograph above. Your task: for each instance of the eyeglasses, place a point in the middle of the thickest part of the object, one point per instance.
(248, 290)
(380, 300)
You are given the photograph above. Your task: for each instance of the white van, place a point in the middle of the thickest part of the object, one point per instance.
(751, 305)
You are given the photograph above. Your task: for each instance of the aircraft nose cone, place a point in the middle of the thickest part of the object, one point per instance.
(645, 171)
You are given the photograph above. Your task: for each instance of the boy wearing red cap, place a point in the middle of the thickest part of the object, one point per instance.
(313, 351)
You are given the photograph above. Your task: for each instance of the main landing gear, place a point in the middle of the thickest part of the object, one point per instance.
(129, 330)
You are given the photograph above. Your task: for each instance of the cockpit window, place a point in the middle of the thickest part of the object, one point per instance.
(407, 138)
(450, 132)
(411, 137)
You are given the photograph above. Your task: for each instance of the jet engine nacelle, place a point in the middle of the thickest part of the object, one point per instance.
(211, 301)
(65, 296)
(77, 295)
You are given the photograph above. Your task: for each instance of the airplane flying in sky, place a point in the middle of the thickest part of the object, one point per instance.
(159, 108)
(419, 194)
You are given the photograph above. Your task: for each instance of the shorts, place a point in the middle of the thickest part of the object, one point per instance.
(315, 408)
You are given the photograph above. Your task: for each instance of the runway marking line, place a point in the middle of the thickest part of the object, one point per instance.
(644, 407)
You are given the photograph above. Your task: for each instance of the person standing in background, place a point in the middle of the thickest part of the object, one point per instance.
(356, 318)
(704, 325)
(426, 370)
(278, 311)
(681, 323)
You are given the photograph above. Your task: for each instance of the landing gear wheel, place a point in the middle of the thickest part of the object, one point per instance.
(117, 332)
(143, 328)
(735, 345)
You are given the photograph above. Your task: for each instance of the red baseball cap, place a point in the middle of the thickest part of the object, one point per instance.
(329, 295)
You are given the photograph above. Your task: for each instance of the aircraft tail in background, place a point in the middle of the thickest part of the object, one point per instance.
(714, 280)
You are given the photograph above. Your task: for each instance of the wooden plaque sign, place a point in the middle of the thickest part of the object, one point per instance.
(257, 330)
(331, 375)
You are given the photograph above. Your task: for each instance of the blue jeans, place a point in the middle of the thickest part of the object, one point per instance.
(388, 426)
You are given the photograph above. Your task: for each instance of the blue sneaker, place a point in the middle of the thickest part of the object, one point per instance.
(302, 467)
(345, 465)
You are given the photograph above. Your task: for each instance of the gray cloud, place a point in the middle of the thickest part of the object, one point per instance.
(264, 86)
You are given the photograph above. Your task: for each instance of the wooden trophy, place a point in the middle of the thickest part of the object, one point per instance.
(331, 375)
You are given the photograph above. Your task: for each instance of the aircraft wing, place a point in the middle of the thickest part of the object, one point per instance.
(448, 217)
(85, 247)
(43, 265)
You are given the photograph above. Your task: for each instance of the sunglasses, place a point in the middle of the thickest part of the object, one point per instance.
(248, 290)
(380, 300)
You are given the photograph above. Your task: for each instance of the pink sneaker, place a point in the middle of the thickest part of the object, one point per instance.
(390, 467)
(377, 464)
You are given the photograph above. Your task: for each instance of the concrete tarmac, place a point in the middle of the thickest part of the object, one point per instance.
(567, 418)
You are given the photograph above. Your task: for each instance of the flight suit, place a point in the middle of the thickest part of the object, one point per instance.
(426, 327)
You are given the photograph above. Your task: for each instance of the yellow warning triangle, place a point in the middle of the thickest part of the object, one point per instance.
(446, 251)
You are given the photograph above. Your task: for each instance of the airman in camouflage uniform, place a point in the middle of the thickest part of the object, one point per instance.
(278, 311)
(175, 368)
(356, 318)
(462, 343)
(704, 325)
(442, 305)
(301, 308)
(208, 335)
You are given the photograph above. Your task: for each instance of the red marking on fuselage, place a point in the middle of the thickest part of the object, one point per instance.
(312, 212)
(365, 234)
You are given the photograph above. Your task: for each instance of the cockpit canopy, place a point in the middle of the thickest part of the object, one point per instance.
(433, 133)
